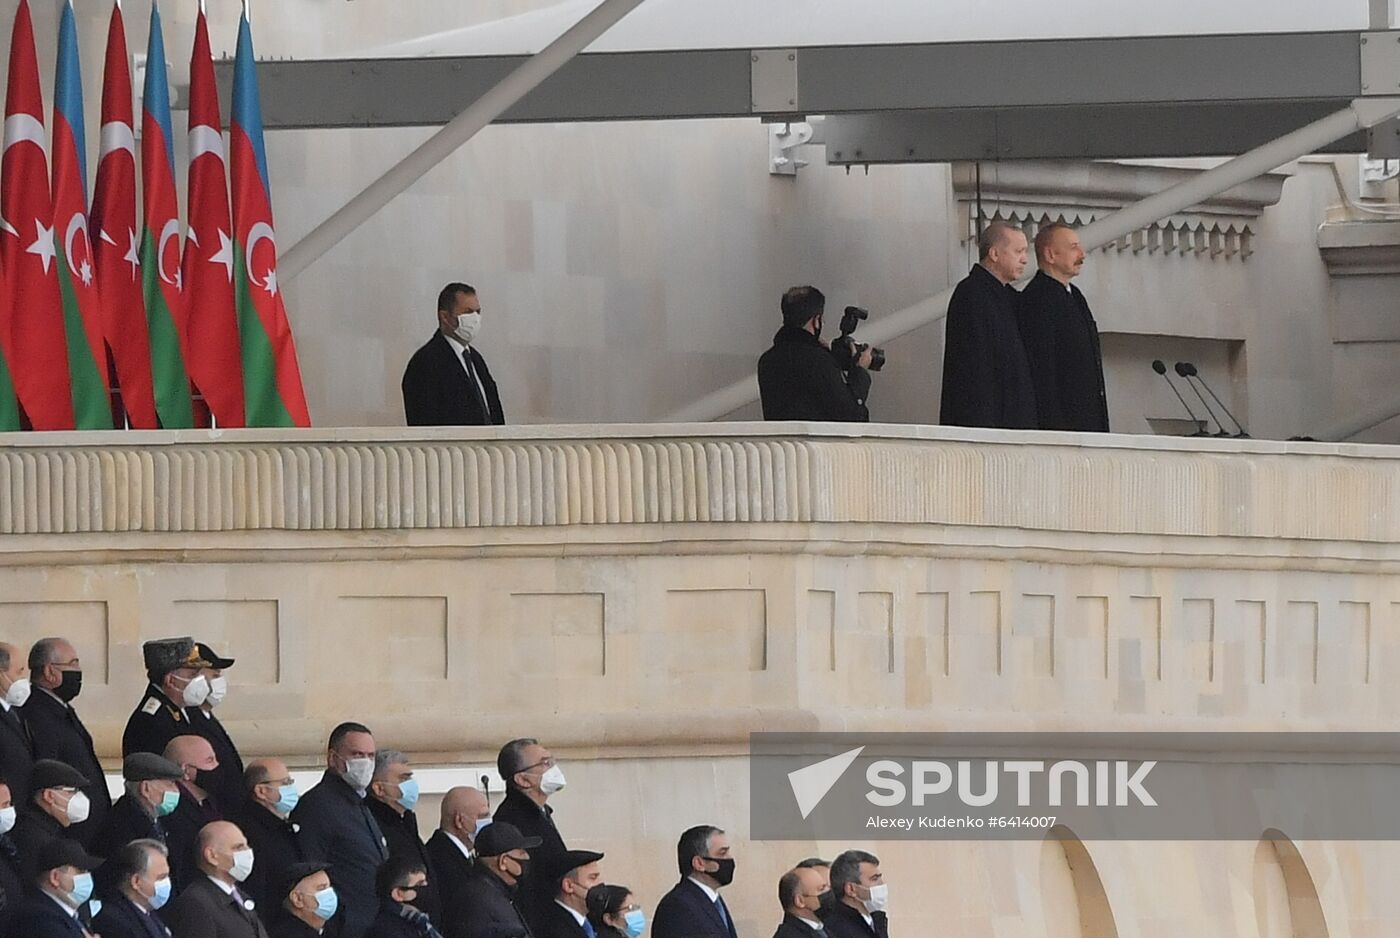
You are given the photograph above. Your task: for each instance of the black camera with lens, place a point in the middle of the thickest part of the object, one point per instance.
(847, 350)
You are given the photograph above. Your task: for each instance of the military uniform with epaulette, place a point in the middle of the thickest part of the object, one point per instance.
(157, 719)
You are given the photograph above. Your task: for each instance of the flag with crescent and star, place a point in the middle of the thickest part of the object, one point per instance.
(273, 394)
(160, 243)
(33, 335)
(215, 356)
(77, 277)
(115, 231)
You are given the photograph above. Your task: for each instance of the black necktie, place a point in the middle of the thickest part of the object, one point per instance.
(476, 386)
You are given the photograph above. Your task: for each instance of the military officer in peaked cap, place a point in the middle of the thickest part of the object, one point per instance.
(173, 667)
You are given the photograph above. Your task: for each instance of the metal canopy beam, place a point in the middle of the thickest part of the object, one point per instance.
(1087, 73)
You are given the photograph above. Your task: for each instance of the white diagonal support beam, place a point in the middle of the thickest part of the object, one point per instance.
(1363, 113)
(453, 135)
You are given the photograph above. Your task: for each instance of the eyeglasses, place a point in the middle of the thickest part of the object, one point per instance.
(634, 907)
(546, 763)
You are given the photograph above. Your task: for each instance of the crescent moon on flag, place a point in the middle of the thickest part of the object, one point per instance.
(21, 128)
(262, 231)
(117, 135)
(205, 139)
(76, 224)
(171, 230)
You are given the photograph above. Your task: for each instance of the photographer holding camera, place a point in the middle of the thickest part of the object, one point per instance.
(801, 378)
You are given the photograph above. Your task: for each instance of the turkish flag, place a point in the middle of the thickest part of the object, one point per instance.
(116, 239)
(35, 344)
(214, 353)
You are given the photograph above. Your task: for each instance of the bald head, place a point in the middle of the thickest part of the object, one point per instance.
(215, 848)
(193, 754)
(799, 892)
(462, 807)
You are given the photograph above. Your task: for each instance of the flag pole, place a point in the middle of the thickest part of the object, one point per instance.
(481, 112)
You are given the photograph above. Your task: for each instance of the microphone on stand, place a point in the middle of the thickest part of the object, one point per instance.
(1160, 367)
(1183, 371)
(1191, 372)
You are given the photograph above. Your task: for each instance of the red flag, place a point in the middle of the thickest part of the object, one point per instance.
(214, 356)
(36, 345)
(116, 237)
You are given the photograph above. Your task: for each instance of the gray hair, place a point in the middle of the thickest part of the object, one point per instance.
(44, 652)
(846, 869)
(385, 758)
(511, 758)
(994, 236)
(134, 859)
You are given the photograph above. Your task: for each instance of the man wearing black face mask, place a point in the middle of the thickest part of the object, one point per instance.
(56, 730)
(693, 908)
(798, 379)
(804, 895)
(485, 905)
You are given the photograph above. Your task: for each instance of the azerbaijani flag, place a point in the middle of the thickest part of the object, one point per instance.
(215, 360)
(77, 280)
(33, 336)
(160, 242)
(115, 229)
(273, 395)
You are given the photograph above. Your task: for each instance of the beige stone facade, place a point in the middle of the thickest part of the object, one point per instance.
(642, 598)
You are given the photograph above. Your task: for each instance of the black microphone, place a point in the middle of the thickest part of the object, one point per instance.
(486, 788)
(1184, 370)
(1191, 372)
(1161, 368)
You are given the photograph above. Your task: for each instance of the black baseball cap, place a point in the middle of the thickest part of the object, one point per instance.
(500, 837)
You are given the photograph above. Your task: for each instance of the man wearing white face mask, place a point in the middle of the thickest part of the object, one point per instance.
(174, 668)
(447, 383)
(337, 826)
(56, 805)
(225, 783)
(532, 777)
(11, 875)
(63, 883)
(862, 895)
(16, 748)
(140, 876)
(393, 794)
(452, 848)
(213, 906)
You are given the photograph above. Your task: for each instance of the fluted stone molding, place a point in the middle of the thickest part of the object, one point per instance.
(330, 480)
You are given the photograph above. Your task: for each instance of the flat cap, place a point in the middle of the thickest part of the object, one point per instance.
(501, 837)
(50, 773)
(167, 654)
(213, 657)
(149, 767)
(290, 876)
(64, 852)
(567, 862)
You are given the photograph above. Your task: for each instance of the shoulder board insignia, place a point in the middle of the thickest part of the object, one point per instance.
(150, 707)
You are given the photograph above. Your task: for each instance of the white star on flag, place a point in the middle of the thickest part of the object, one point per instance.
(85, 272)
(133, 253)
(225, 254)
(271, 283)
(43, 246)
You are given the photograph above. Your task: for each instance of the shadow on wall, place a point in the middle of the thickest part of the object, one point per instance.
(1285, 898)
(1075, 904)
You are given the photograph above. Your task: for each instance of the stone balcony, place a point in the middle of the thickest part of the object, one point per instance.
(642, 597)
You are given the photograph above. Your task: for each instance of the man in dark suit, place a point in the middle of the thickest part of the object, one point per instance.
(225, 782)
(861, 894)
(63, 886)
(151, 794)
(338, 828)
(1061, 337)
(465, 811)
(532, 777)
(393, 794)
(986, 380)
(56, 730)
(447, 383)
(212, 906)
(485, 907)
(173, 670)
(11, 875)
(693, 908)
(16, 749)
(272, 794)
(802, 894)
(57, 806)
(799, 378)
(138, 878)
(307, 901)
(196, 809)
(569, 877)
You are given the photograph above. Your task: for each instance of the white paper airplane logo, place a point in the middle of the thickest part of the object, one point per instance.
(810, 785)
